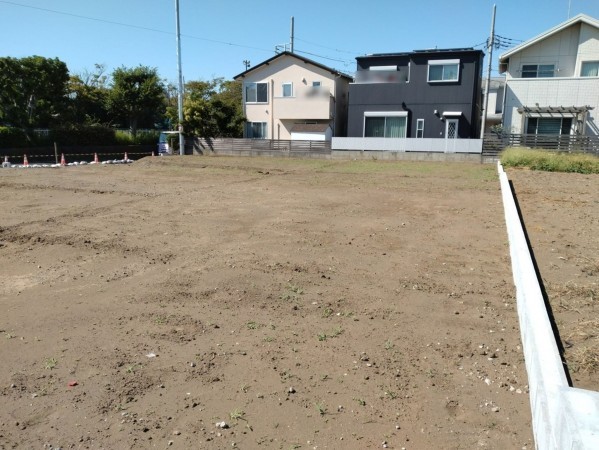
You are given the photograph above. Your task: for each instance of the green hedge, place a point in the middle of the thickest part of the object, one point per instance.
(83, 135)
(75, 135)
(14, 137)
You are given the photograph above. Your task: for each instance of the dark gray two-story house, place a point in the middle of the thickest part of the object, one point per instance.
(420, 94)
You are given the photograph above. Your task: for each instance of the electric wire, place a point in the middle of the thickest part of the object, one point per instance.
(139, 27)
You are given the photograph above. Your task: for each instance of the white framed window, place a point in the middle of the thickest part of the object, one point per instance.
(443, 70)
(538, 70)
(256, 93)
(420, 128)
(392, 124)
(256, 130)
(549, 125)
(287, 90)
(589, 69)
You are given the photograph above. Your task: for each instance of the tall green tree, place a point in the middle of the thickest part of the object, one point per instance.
(33, 91)
(88, 93)
(213, 108)
(136, 97)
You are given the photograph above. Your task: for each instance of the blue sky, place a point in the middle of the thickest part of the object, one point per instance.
(218, 35)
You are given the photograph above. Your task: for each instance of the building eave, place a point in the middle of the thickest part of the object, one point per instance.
(296, 56)
(580, 18)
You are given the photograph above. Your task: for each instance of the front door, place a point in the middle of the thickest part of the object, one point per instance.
(451, 128)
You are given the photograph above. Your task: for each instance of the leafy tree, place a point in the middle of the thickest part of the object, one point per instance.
(33, 91)
(137, 97)
(231, 119)
(213, 108)
(88, 102)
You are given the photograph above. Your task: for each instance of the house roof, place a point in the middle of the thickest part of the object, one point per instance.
(580, 18)
(419, 52)
(296, 56)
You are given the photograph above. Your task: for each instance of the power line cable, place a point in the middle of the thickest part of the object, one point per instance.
(139, 27)
(328, 48)
(322, 57)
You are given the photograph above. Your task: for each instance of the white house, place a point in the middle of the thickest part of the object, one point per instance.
(291, 97)
(552, 81)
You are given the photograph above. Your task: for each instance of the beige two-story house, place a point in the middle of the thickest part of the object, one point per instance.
(552, 81)
(293, 98)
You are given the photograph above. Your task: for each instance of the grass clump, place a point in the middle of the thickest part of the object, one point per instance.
(550, 161)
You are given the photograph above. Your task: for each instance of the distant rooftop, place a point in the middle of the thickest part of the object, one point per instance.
(429, 50)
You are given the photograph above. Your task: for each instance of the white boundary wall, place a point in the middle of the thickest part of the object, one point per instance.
(563, 417)
(408, 144)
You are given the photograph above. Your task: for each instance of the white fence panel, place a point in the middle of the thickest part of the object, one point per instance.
(408, 145)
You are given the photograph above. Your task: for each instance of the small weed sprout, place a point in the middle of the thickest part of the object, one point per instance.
(337, 332)
(51, 363)
(328, 312)
(131, 368)
(237, 414)
(388, 345)
(360, 401)
(322, 410)
(161, 320)
(391, 394)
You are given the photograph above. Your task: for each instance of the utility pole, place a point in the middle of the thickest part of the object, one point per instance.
(246, 63)
(488, 81)
(569, 5)
(292, 26)
(180, 97)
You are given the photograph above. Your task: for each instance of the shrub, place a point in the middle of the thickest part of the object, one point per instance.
(143, 137)
(83, 135)
(12, 137)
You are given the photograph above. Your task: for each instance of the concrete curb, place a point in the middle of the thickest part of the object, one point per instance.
(563, 417)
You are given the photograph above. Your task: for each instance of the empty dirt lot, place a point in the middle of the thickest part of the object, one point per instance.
(305, 304)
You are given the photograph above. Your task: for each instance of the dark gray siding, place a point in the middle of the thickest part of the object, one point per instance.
(419, 97)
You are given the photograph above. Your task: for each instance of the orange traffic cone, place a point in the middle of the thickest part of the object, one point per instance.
(25, 161)
(126, 158)
(96, 160)
(63, 161)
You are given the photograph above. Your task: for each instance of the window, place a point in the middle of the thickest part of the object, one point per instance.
(255, 130)
(590, 69)
(538, 70)
(387, 125)
(316, 84)
(287, 89)
(420, 128)
(443, 70)
(256, 93)
(549, 125)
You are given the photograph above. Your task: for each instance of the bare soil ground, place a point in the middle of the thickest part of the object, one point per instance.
(306, 304)
(561, 214)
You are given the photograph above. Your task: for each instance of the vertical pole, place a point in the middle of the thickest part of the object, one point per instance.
(292, 33)
(180, 96)
(56, 152)
(488, 82)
